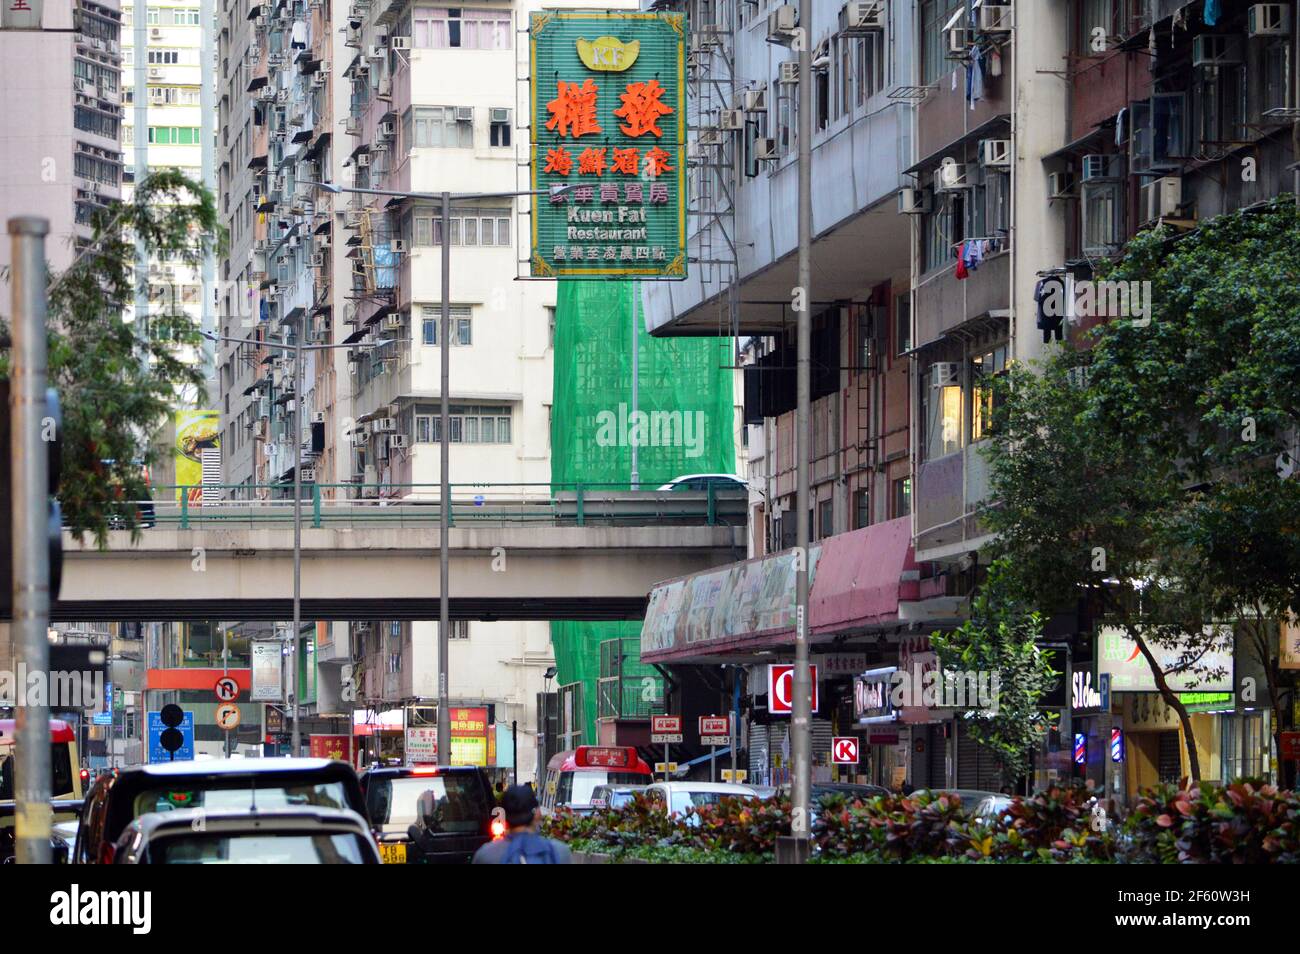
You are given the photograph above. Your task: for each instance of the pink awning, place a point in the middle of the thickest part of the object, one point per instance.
(862, 576)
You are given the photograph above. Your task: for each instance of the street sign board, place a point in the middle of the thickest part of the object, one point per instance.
(156, 728)
(422, 745)
(737, 776)
(267, 670)
(715, 725)
(227, 717)
(715, 740)
(227, 689)
(609, 122)
(844, 750)
(665, 729)
(780, 688)
(662, 768)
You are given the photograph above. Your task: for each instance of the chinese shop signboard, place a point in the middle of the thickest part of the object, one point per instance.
(21, 14)
(609, 122)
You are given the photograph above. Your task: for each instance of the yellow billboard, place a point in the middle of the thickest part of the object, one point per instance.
(196, 432)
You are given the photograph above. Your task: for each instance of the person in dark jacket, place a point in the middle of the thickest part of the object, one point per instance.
(522, 844)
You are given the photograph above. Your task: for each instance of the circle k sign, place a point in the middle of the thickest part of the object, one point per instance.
(780, 688)
(844, 750)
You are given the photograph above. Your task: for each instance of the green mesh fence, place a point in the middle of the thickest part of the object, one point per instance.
(688, 426)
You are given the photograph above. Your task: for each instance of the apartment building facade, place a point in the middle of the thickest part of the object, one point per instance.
(62, 140)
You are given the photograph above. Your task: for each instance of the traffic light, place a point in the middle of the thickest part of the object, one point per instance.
(52, 431)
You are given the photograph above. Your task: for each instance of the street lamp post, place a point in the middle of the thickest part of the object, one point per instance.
(444, 200)
(298, 349)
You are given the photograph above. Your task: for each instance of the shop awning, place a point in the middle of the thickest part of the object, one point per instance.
(747, 608)
(862, 577)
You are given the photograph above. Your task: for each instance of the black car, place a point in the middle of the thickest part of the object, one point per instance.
(428, 815)
(216, 785)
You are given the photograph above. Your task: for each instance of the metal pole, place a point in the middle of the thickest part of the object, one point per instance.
(444, 491)
(636, 391)
(296, 437)
(801, 717)
(735, 718)
(140, 161)
(514, 748)
(30, 555)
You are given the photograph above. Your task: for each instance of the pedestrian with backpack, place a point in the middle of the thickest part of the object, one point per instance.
(522, 845)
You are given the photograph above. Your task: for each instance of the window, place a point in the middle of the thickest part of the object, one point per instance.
(997, 203)
(468, 227)
(174, 135)
(470, 424)
(159, 57)
(787, 117)
(935, 15)
(861, 509)
(437, 126)
(499, 127)
(870, 66)
(459, 28)
(900, 504)
(461, 327)
(902, 324)
(826, 518)
(457, 629)
(1220, 100)
(1102, 204)
(942, 229)
(1158, 139)
(941, 416)
(89, 120)
(984, 368)
(1098, 26)
(1272, 80)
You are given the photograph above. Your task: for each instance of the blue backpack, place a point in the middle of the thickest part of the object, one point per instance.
(527, 848)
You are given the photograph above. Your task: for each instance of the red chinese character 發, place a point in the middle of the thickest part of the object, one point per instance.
(559, 161)
(642, 108)
(574, 107)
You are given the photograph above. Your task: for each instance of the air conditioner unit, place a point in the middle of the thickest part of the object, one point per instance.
(731, 119)
(1216, 49)
(318, 260)
(952, 177)
(1160, 198)
(1060, 185)
(360, 438)
(945, 374)
(398, 442)
(464, 114)
(399, 43)
(323, 242)
(765, 149)
(394, 322)
(958, 43)
(352, 126)
(352, 220)
(388, 128)
(324, 67)
(754, 100)
(709, 136)
(1098, 167)
(788, 72)
(993, 18)
(384, 425)
(781, 24)
(397, 246)
(499, 114)
(913, 201)
(363, 160)
(318, 417)
(1268, 19)
(309, 475)
(376, 52)
(155, 72)
(155, 34)
(861, 17)
(317, 80)
(995, 153)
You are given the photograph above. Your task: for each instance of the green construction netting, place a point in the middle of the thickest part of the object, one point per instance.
(685, 391)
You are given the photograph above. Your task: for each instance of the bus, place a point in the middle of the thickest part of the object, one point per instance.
(66, 778)
(572, 776)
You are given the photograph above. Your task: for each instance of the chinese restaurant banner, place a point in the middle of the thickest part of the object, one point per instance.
(331, 747)
(609, 121)
(469, 735)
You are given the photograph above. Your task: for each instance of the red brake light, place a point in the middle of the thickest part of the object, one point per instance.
(425, 770)
(85, 774)
(498, 829)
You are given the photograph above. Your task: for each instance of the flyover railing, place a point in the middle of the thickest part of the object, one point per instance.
(580, 504)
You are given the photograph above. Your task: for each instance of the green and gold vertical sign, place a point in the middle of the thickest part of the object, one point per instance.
(609, 123)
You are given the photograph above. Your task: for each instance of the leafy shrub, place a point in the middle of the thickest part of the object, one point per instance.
(1241, 823)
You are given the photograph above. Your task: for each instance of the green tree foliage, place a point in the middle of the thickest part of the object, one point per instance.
(118, 381)
(1139, 474)
(1001, 637)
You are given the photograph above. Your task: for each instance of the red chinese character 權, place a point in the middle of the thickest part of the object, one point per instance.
(574, 108)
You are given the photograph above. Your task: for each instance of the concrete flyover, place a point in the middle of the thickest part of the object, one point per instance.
(359, 570)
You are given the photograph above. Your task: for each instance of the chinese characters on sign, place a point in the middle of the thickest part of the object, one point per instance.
(21, 14)
(609, 129)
